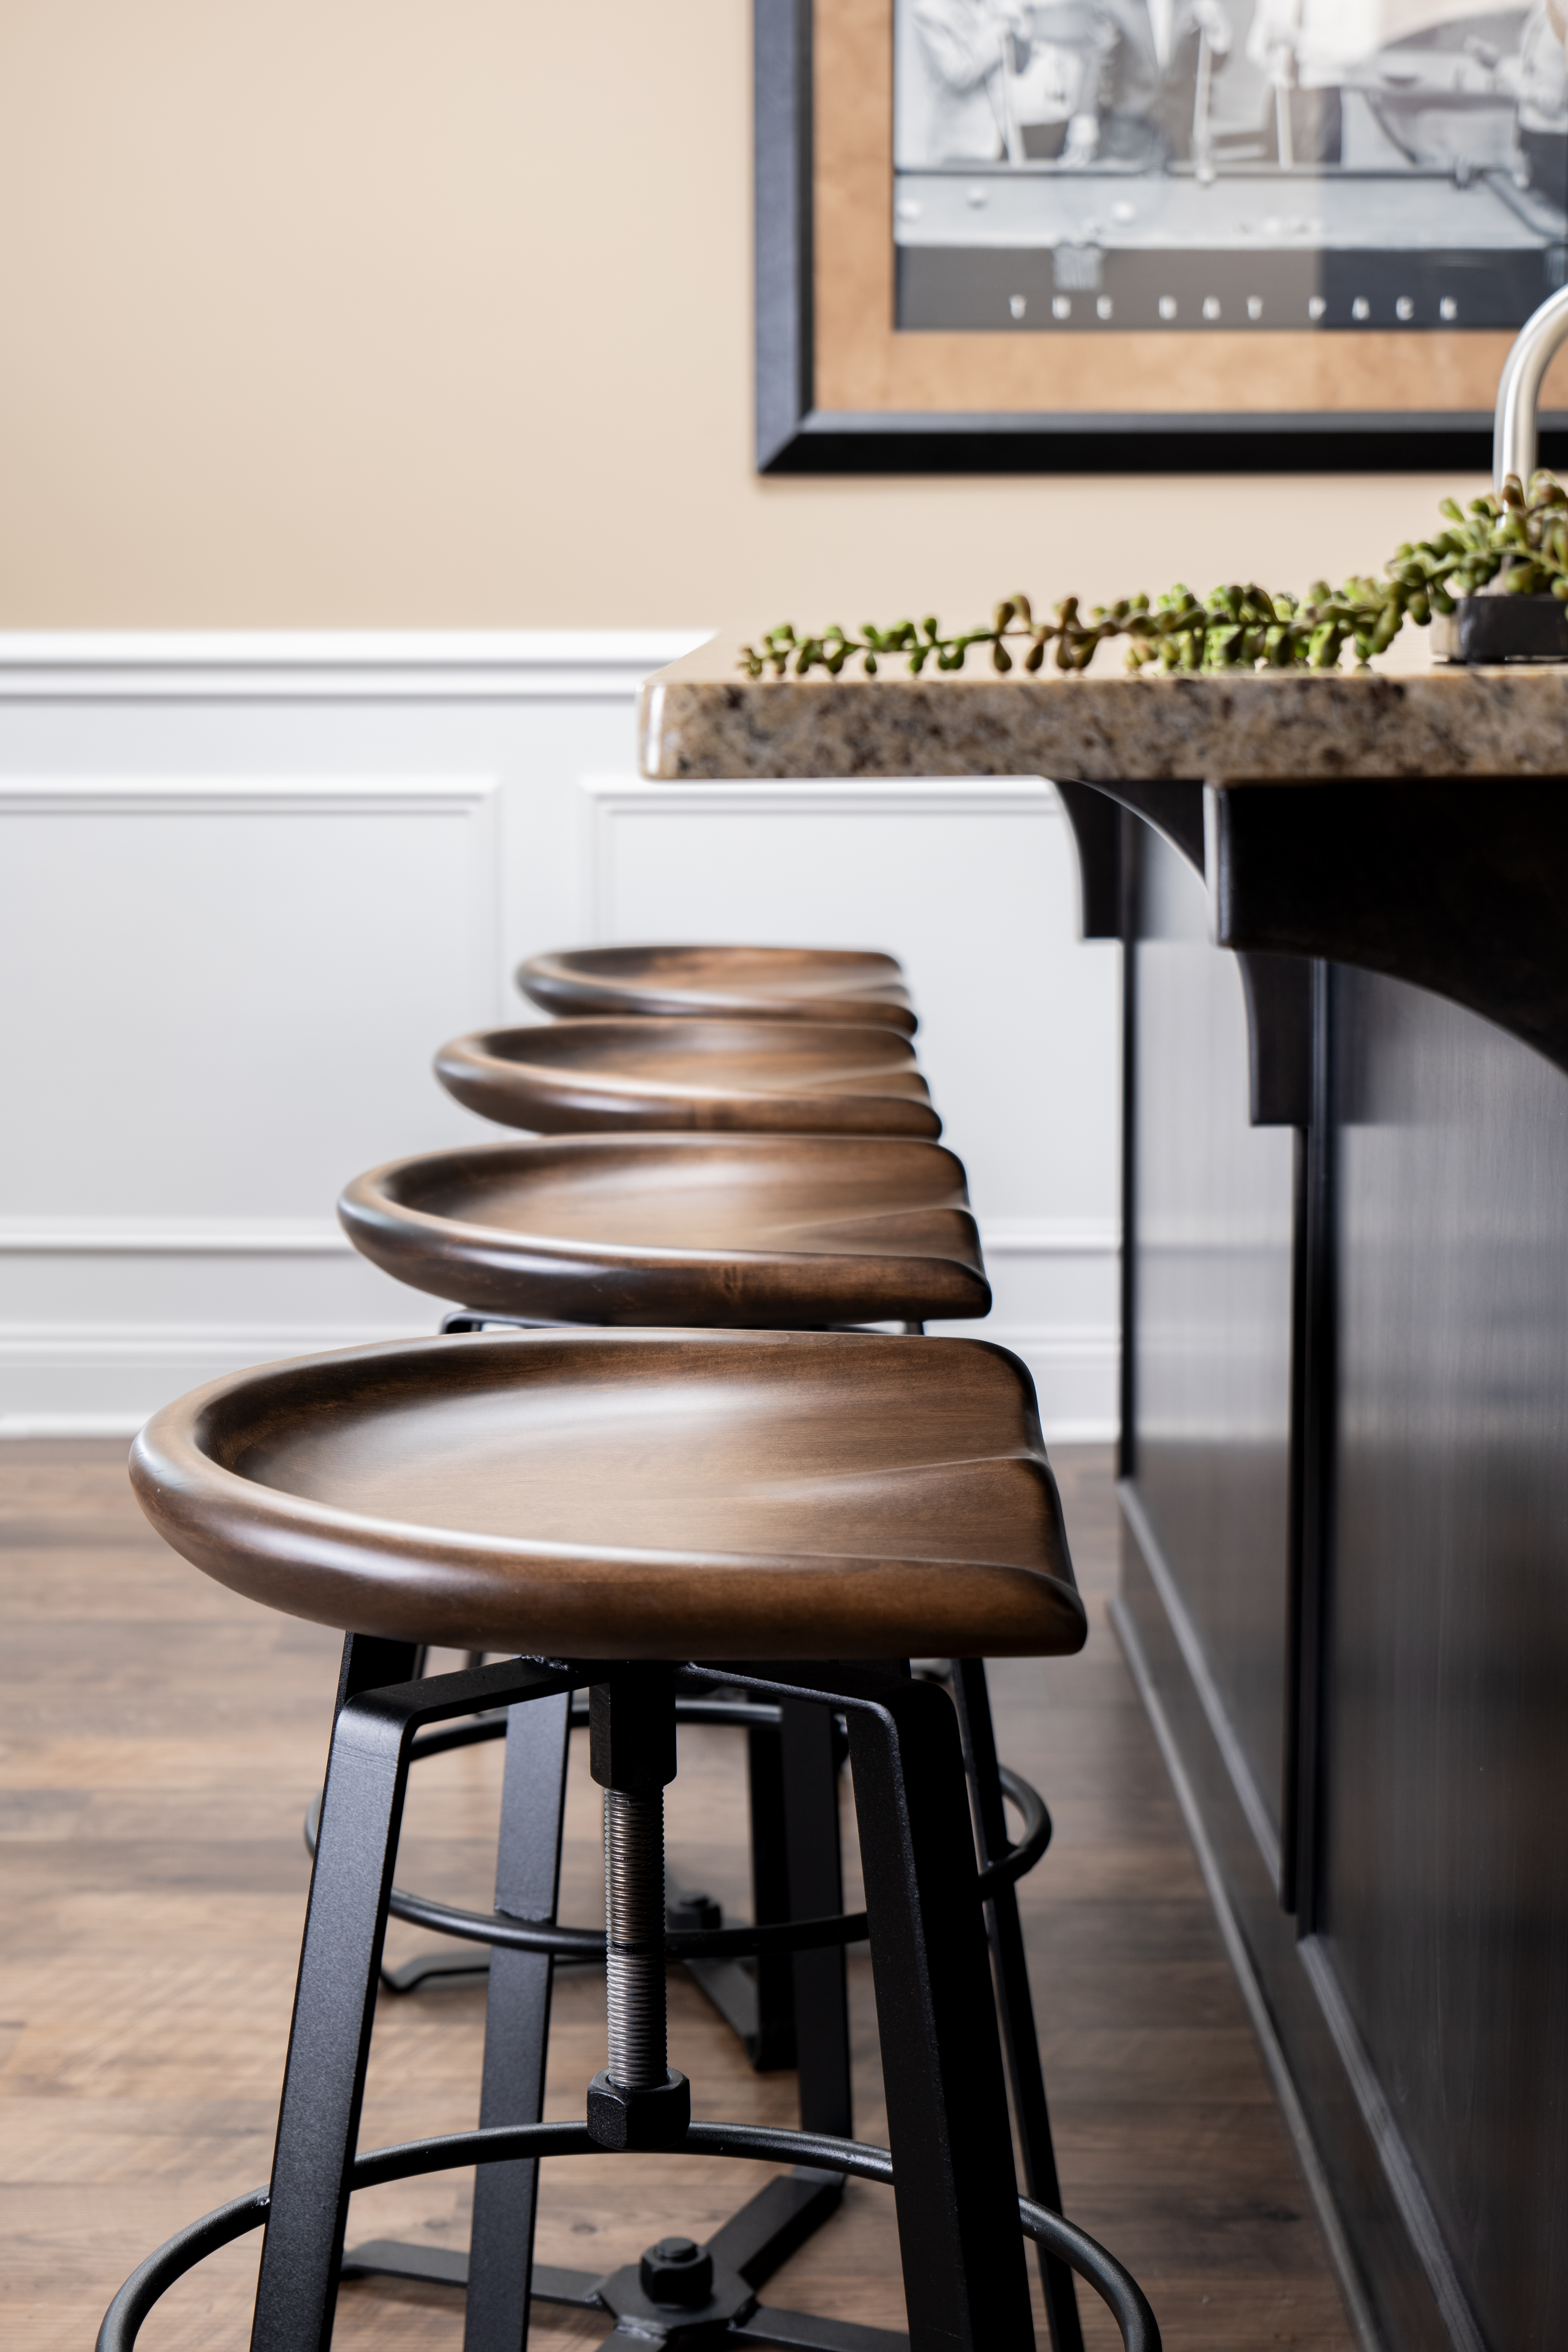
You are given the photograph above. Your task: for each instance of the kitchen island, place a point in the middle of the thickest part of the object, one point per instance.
(1343, 900)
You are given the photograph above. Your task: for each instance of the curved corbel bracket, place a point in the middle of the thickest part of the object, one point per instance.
(1174, 809)
(1172, 805)
(1095, 823)
(1460, 887)
(1278, 988)
(1279, 994)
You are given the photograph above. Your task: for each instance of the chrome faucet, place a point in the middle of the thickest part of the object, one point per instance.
(1515, 439)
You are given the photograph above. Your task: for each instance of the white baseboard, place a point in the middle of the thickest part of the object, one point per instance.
(88, 1383)
(91, 1382)
(1075, 1372)
(109, 1320)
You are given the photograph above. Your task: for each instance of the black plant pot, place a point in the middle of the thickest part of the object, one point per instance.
(1501, 629)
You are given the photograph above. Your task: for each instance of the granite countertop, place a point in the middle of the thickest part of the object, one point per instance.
(701, 718)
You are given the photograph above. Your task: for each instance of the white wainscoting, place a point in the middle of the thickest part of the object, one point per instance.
(248, 883)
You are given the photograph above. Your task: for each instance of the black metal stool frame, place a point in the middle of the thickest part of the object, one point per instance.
(802, 1946)
(800, 1816)
(779, 1935)
(768, 2031)
(587, 1944)
(947, 2105)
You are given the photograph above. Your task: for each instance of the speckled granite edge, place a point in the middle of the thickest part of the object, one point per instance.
(1248, 728)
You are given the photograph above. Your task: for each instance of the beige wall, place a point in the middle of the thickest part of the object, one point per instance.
(322, 313)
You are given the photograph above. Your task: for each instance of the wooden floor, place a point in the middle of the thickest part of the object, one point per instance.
(159, 1742)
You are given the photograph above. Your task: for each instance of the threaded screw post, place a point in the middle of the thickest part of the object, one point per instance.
(634, 1959)
(637, 2100)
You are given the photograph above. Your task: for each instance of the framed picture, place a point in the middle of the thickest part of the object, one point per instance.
(1038, 234)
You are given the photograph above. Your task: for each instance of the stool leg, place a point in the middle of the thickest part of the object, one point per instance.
(517, 2023)
(1019, 2037)
(334, 2000)
(773, 2044)
(370, 1664)
(964, 2278)
(816, 1881)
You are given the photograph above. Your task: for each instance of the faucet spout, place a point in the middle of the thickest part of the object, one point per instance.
(1515, 436)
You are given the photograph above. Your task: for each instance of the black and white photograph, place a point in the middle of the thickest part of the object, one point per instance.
(1101, 165)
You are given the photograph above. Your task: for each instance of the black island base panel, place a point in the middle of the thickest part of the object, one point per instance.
(1345, 1585)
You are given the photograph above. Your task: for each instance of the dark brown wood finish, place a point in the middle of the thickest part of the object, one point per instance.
(711, 983)
(631, 1494)
(1458, 887)
(771, 1231)
(772, 1078)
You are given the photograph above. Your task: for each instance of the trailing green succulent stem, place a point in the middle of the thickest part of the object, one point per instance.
(1516, 534)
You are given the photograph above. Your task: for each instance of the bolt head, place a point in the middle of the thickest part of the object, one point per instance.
(693, 1915)
(676, 2271)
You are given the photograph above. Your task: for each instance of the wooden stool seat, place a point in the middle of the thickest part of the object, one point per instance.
(629, 1495)
(767, 1230)
(724, 983)
(757, 1076)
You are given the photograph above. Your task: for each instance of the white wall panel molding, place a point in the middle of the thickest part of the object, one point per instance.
(220, 989)
(1068, 1237)
(611, 800)
(615, 806)
(502, 666)
(240, 795)
(221, 1238)
(249, 882)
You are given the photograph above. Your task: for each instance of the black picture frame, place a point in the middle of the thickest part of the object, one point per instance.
(794, 436)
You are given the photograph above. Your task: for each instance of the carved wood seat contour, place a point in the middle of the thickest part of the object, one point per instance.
(631, 1494)
(770, 1077)
(769, 1230)
(724, 982)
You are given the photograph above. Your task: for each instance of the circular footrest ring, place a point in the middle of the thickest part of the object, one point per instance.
(756, 2143)
(497, 1929)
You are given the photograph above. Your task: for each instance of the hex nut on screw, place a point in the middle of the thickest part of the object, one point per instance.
(657, 2117)
(676, 2271)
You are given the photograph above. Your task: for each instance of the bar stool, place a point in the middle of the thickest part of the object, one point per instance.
(771, 1231)
(608, 1504)
(724, 983)
(776, 1077)
(738, 1231)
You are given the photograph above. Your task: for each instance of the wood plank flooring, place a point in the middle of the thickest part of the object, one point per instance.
(159, 1742)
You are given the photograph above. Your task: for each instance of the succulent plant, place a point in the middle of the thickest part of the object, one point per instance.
(1519, 533)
